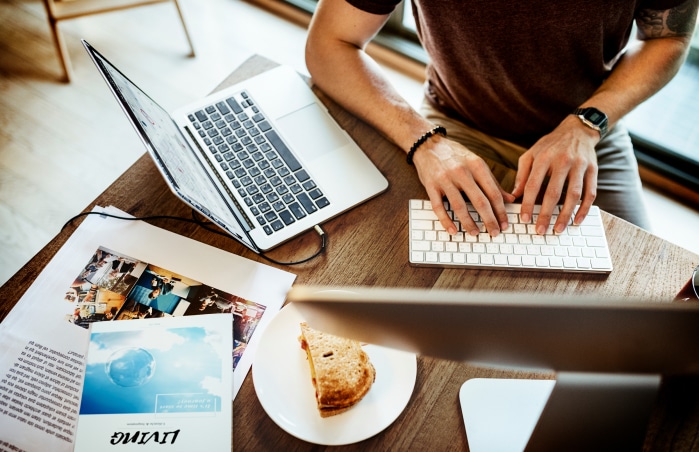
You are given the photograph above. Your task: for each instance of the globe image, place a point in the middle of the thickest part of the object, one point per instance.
(130, 367)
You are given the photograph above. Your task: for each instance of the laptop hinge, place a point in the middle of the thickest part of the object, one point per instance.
(238, 211)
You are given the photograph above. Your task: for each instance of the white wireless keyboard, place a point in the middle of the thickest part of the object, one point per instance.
(581, 248)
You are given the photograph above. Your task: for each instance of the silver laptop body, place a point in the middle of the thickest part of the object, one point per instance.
(275, 171)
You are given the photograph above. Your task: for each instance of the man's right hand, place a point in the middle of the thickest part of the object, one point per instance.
(448, 169)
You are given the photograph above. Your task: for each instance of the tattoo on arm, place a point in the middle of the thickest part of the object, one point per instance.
(675, 22)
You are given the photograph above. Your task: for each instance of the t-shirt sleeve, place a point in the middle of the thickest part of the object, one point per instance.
(375, 6)
(660, 5)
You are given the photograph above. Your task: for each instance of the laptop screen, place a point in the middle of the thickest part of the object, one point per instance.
(172, 154)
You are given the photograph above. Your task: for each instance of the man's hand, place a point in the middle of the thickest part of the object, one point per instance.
(567, 158)
(447, 168)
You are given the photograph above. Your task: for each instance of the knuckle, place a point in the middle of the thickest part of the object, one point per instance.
(575, 192)
(592, 194)
(554, 192)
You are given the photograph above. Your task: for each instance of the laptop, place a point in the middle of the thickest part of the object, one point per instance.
(262, 159)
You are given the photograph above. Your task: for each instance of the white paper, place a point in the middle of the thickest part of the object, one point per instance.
(39, 399)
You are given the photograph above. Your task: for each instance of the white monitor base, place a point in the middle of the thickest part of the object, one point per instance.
(577, 411)
(500, 414)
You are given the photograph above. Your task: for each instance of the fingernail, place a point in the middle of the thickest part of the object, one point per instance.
(452, 230)
(540, 230)
(525, 217)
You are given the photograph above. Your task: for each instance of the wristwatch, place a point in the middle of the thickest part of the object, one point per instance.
(593, 118)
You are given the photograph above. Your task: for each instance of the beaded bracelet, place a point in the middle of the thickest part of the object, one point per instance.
(439, 129)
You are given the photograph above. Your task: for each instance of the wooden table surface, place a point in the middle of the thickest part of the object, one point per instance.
(369, 246)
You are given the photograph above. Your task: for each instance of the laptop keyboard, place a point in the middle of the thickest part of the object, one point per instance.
(582, 248)
(260, 167)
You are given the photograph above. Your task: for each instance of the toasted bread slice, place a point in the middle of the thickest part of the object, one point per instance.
(340, 370)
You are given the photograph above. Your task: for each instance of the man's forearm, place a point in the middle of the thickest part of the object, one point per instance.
(358, 84)
(340, 67)
(650, 63)
(646, 67)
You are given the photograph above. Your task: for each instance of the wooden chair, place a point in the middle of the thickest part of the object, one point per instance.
(59, 10)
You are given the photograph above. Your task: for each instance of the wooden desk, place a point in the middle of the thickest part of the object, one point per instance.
(368, 246)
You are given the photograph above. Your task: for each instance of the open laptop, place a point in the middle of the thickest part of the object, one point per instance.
(609, 356)
(262, 159)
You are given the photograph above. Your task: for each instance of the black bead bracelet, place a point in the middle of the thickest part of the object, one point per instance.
(420, 141)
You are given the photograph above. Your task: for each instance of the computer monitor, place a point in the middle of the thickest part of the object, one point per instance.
(608, 355)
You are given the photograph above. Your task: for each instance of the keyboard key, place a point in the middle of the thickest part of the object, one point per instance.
(296, 209)
(421, 224)
(307, 203)
(286, 217)
(201, 116)
(600, 263)
(283, 151)
(235, 106)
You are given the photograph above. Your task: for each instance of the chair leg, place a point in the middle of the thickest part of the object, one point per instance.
(63, 54)
(184, 26)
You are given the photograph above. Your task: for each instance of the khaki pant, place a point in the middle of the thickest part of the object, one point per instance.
(619, 189)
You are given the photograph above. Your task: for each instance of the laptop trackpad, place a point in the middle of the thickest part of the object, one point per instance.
(311, 132)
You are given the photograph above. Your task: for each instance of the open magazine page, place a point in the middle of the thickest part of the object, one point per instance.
(115, 270)
(158, 384)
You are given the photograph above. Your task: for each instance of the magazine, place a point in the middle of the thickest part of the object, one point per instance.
(158, 384)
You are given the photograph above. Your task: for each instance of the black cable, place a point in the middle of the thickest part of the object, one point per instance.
(152, 217)
(323, 244)
(206, 225)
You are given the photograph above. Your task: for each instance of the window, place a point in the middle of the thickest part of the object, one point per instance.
(665, 128)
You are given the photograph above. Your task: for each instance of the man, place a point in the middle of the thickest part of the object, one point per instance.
(504, 85)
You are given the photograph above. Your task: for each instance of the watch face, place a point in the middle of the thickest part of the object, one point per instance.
(594, 116)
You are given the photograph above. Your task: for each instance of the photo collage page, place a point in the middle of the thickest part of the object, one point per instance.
(114, 287)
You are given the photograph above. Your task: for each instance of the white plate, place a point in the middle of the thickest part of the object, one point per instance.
(283, 384)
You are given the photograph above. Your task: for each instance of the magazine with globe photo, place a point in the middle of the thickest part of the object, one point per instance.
(158, 383)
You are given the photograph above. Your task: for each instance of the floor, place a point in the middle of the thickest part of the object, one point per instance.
(63, 144)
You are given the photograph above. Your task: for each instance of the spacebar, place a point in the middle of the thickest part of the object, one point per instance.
(284, 151)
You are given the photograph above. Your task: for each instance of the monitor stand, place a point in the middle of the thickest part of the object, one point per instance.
(577, 411)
